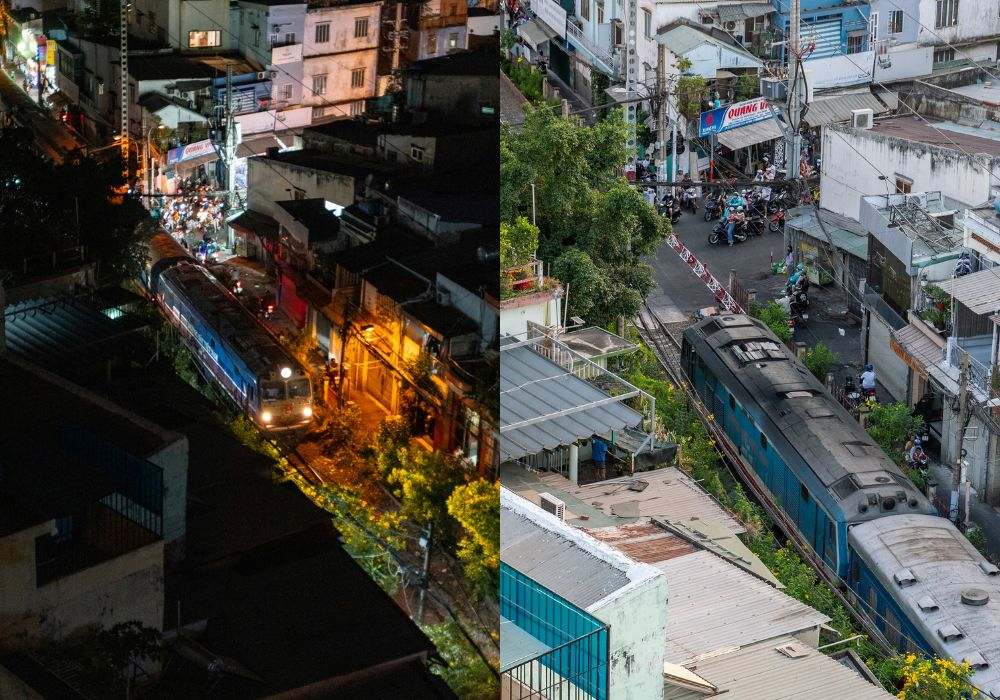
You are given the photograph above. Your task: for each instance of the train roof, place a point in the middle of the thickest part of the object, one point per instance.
(928, 567)
(837, 449)
(261, 351)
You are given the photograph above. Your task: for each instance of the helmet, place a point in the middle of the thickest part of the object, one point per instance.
(916, 442)
(869, 368)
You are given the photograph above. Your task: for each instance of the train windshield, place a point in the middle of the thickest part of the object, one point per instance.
(298, 389)
(272, 391)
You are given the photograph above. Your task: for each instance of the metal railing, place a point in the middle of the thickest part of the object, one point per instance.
(576, 670)
(610, 65)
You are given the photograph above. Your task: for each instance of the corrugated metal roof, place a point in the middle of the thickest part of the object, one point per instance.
(916, 343)
(669, 494)
(980, 291)
(944, 564)
(738, 13)
(749, 135)
(762, 672)
(683, 38)
(828, 110)
(713, 605)
(534, 388)
(645, 542)
(843, 232)
(556, 561)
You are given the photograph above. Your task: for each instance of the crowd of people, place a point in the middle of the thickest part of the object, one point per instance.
(194, 216)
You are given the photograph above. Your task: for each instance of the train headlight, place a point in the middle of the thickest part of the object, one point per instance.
(266, 416)
(286, 372)
(307, 411)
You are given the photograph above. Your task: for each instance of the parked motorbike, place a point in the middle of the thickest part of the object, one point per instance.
(796, 304)
(776, 219)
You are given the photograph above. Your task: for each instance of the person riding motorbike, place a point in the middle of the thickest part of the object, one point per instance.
(737, 217)
(867, 381)
(734, 205)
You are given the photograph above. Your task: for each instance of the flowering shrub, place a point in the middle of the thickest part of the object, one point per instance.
(933, 679)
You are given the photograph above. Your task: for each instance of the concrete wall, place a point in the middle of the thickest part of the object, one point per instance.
(266, 186)
(173, 459)
(338, 70)
(473, 306)
(707, 58)
(910, 9)
(516, 313)
(976, 20)
(846, 177)
(129, 587)
(637, 638)
(341, 20)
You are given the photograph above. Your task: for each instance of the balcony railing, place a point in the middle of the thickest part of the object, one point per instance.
(577, 670)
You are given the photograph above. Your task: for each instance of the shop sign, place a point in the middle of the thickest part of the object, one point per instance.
(192, 150)
(715, 121)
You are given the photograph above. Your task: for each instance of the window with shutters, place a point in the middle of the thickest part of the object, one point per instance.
(357, 108)
(286, 91)
(600, 11)
(946, 14)
(322, 33)
(319, 85)
(896, 22)
(432, 44)
(647, 23)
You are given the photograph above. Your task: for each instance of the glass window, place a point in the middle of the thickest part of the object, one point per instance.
(360, 27)
(585, 10)
(895, 21)
(298, 388)
(855, 43)
(323, 33)
(946, 15)
(272, 391)
(357, 108)
(203, 39)
(357, 78)
(600, 11)
(319, 84)
(319, 112)
(647, 23)
(453, 40)
(432, 44)
(944, 55)
(286, 91)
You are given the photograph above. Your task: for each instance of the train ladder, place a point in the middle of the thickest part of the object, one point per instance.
(720, 292)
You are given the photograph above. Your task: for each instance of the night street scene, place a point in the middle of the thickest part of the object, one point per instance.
(749, 433)
(249, 356)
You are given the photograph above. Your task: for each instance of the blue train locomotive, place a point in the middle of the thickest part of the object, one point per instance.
(246, 361)
(820, 466)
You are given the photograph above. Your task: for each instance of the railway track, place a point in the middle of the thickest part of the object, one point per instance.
(665, 340)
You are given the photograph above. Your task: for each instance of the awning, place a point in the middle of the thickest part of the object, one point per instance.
(542, 406)
(533, 33)
(918, 350)
(828, 110)
(253, 147)
(721, 74)
(257, 224)
(738, 13)
(979, 292)
(749, 135)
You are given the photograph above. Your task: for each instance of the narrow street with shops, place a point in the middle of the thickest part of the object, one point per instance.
(50, 135)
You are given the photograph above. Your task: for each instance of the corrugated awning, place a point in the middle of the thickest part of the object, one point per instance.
(839, 108)
(738, 13)
(979, 292)
(260, 225)
(749, 135)
(543, 406)
(916, 348)
(533, 33)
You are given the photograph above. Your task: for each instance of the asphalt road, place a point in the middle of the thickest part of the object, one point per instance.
(52, 137)
(680, 293)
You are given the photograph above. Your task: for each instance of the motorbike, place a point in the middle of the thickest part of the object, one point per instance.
(718, 234)
(713, 206)
(669, 207)
(796, 304)
(689, 200)
(775, 219)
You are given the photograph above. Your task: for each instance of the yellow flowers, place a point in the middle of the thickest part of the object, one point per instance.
(933, 679)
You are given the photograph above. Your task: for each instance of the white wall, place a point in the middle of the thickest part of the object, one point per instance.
(173, 459)
(514, 316)
(846, 177)
(708, 58)
(638, 639)
(975, 20)
(269, 182)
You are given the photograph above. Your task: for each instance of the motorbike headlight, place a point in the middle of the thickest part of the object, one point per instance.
(307, 411)
(266, 416)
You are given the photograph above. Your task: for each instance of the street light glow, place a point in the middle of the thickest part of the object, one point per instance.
(286, 372)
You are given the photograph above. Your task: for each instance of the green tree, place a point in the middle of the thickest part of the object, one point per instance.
(423, 481)
(891, 425)
(747, 86)
(518, 242)
(691, 91)
(464, 671)
(774, 316)
(819, 359)
(476, 507)
(575, 269)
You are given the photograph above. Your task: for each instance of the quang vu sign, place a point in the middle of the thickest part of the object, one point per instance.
(715, 121)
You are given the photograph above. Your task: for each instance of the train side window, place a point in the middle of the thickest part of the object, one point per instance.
(804, 492)
(855, 569)
(763, 440)
(872, 603)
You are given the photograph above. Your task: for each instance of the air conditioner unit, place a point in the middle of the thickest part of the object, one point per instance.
(730, 25)
(862, 118)
(553, 505)
(774, 89)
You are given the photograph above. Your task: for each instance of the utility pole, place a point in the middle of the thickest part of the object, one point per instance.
(661, 122)
(124, 95)
(793, 144)
(629, 57)
(425, 542)
(958, 471)
(232, 142)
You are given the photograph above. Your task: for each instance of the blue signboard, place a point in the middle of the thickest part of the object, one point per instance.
(715, 121)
